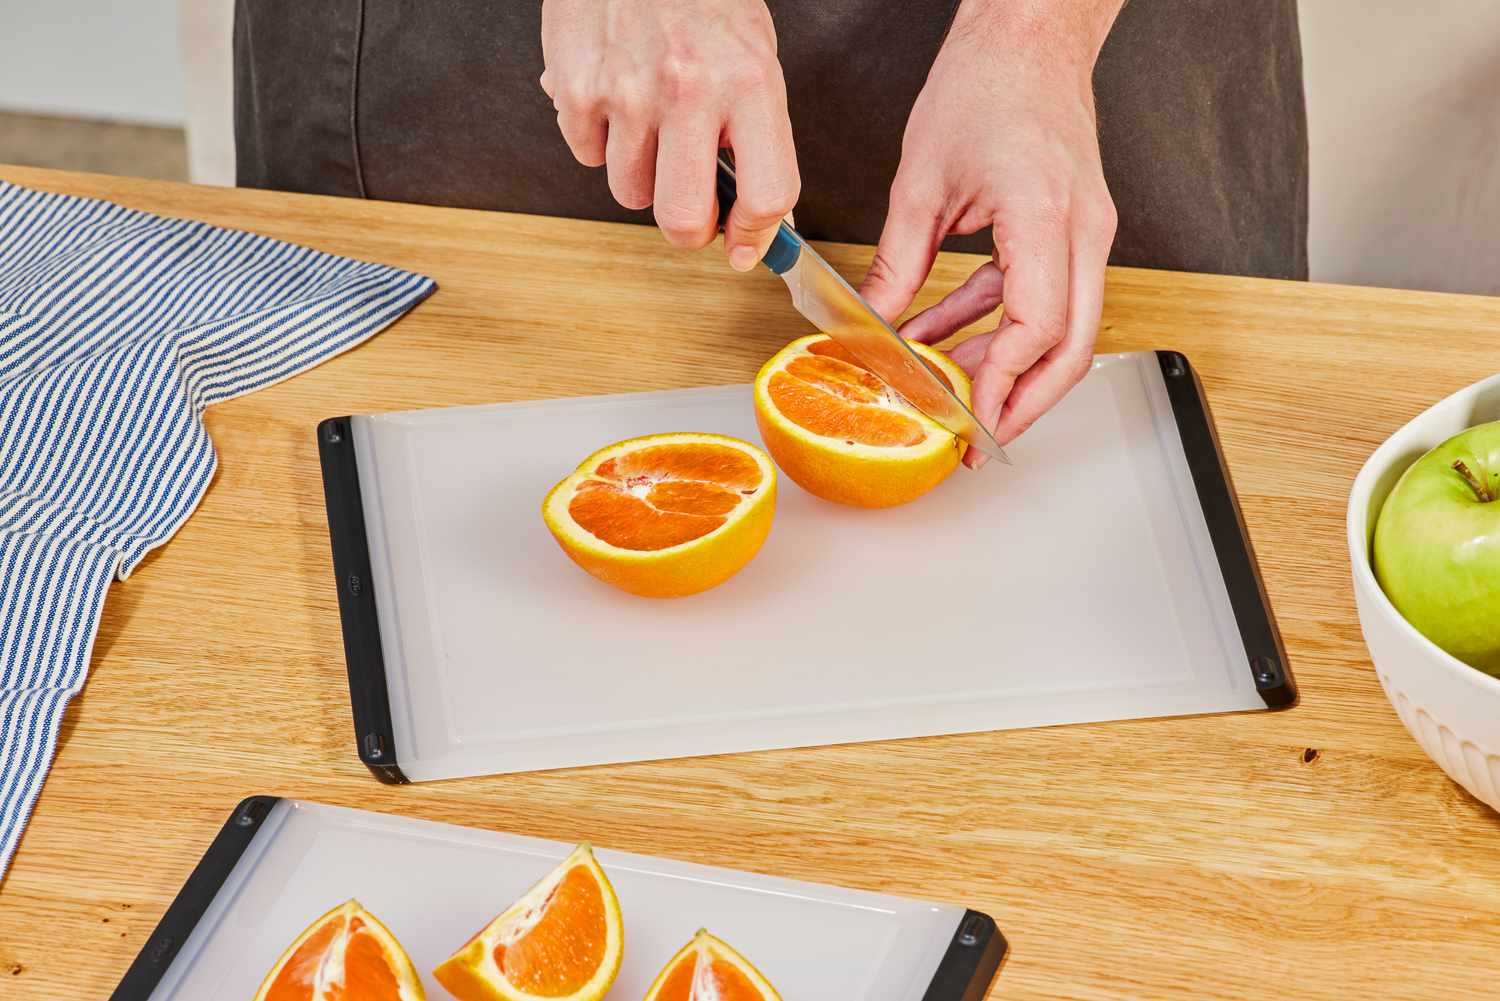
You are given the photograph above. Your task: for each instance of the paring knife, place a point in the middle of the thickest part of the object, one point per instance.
(834, 307)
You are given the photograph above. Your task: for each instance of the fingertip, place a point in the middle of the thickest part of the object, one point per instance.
(743, 258)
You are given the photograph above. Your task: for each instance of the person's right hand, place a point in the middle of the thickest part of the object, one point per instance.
(654, 88)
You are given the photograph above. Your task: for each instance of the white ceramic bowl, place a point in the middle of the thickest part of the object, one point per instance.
(1452, 709)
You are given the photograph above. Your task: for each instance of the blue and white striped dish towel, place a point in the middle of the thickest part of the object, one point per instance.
(117, 329)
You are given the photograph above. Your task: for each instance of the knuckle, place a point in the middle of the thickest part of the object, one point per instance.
(754, 75)
(683, 79)
(1051, 207)
(1044, 204)
(682, 220)
(629, 197)
(1078, 366)
(583, 142)
(574, 95)
(1102, 219)
(1039, 337)
(627, 186)
(882, 271)
(1053, 329)
(775, 199)
(586, 152)
(1109, 216)
(630, 102)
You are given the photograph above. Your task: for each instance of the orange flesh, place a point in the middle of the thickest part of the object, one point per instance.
(729, 983)
(836, 399)
(297, 978)
(367, 974)
(565, 948)
(840, 378)
(663, 495)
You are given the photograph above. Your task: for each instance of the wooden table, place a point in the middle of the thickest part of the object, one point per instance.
(1313, 853)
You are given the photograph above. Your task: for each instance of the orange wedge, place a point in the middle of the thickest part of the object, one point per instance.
(345, 955)
(561, 941)
(842, 434)
(707, 969)
(666, 515)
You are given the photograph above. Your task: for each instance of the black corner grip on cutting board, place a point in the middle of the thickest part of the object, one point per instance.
(368, 695)
(156, 956)
(971, 962)
(1265, 657)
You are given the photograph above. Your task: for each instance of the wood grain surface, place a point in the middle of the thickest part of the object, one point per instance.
(1309, 854)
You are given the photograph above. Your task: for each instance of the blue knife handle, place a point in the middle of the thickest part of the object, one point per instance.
(785, 247)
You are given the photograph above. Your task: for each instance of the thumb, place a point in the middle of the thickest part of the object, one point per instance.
(908, 246)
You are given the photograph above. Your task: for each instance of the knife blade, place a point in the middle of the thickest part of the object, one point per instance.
(822, 295)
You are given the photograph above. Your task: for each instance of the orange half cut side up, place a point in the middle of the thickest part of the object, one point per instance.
(666, 515)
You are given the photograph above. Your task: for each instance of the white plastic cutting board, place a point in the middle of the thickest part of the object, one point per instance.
(1078, 584)
(434, 885)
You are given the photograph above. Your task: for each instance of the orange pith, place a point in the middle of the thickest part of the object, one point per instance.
(663, 496)
(701, 978)
(709, 969)
(298, 978)
(367, 974)
(834, 349)
(559, 954)
(563, 939)
(344, 956)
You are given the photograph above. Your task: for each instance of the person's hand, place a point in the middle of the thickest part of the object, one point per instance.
(1003, 135)
(654, 88)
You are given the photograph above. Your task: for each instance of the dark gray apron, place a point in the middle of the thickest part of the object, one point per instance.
(1201, 116)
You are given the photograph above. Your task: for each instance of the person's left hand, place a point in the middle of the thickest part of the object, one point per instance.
(1003, 135)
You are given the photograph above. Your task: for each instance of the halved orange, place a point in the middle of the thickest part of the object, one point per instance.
(665, 515)
(842, 434)
(345, 955)
(562, 940)
(708, 969)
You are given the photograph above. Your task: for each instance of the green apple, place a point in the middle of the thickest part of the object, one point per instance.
(1437, 546)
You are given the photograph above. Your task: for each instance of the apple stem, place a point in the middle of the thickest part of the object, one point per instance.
(1480, 488)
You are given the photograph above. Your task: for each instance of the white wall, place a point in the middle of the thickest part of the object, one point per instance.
(109, 59)
(208, 70)
(1403, 107)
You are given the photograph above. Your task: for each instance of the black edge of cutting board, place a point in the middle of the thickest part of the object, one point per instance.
(369, 698)
(971, 963)
(192, 901)
(965, 973)
(1265, 657)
